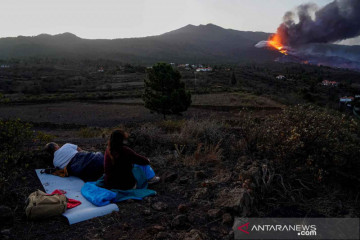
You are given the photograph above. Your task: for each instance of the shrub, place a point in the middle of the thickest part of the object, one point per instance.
(171, 126)
(204, 153)
(308, 143)
(15, 136)
(206, 131)
(42, 137)
(89, 132)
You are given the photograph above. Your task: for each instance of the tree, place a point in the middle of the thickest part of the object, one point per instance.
(164, 92)
(233, 79)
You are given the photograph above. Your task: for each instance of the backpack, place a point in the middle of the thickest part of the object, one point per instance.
(40, 205)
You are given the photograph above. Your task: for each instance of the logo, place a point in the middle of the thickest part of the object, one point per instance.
(299, 228)
(244, 225)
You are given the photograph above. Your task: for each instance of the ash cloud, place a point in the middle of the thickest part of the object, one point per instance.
(336, 21)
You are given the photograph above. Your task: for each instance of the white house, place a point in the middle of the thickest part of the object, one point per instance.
(207, 69)
(329, 83)
(346, 99)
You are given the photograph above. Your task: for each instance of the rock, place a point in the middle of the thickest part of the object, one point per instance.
(200, 193)
(214, 213)
(195, 234)
(147, 199)
(155, 229)
(227, 218)
(200, 175)
(147, 212)
(192, 218)
(160, 206)
(237, 200)
(180, 221)
(183, 180)
(159, 228)
(169, 177)
(183, 208)
(163, 235)
(6, 217)
(125, 226)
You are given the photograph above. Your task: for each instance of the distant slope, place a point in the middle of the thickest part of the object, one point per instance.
(195, 44)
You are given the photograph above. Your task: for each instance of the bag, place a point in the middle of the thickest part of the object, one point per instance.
(40, 205)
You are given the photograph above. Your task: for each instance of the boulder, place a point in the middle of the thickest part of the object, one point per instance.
(160, 206)
(200, 175)
(163, 235)
(195, 234)
(183, 180)
(214, 213)
(200, 193)
(179, 222)
(183, 208)
(227, 219)
(169, 176)
(237, 200)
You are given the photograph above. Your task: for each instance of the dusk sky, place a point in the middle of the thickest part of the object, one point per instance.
(138, 18)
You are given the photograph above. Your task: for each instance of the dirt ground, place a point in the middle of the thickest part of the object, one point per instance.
(110, 114)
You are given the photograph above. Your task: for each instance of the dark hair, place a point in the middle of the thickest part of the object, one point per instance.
(116, 142)
(50, 148)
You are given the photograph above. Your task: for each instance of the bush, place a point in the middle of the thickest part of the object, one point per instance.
(204, 153)
(15, 136)
(88, 132)
(206, 131)
(171, 126)
(306, 143)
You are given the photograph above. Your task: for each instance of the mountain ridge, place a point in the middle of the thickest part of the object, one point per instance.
(204, 43)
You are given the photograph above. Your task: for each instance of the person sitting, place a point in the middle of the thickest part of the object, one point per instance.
(89, 166)
(119, 162)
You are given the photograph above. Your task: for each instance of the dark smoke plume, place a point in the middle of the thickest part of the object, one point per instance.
(336, 21)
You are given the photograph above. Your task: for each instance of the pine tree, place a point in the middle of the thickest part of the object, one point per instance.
(164, 92)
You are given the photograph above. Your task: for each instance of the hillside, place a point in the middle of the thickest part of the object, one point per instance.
(204, 43)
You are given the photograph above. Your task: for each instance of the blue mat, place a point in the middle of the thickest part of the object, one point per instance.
(99, 196)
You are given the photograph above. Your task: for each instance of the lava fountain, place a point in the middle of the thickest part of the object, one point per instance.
(275, 41)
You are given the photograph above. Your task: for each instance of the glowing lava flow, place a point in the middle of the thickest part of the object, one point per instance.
(275, 42)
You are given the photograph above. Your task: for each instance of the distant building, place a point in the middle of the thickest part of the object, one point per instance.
(207, 69)
(280, 77)
(329, 83)
(346, 99)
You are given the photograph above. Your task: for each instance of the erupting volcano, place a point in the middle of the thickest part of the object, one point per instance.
(310, 28)
(276, 42)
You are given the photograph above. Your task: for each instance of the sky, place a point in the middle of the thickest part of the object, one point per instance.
(109, 19)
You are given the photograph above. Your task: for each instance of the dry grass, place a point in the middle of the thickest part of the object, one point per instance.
(204, 153)
(195, 131)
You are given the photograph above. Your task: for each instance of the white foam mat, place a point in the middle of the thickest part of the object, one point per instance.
(72, 185)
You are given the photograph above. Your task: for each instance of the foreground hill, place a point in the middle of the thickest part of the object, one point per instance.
(203, 43)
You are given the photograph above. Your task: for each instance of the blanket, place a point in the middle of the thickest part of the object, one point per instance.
(72, 186)
(99, 196)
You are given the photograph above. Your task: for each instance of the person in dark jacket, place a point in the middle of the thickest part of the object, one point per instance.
(119, 162)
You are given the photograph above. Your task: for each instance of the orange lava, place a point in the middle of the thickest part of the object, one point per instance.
(276, 42)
